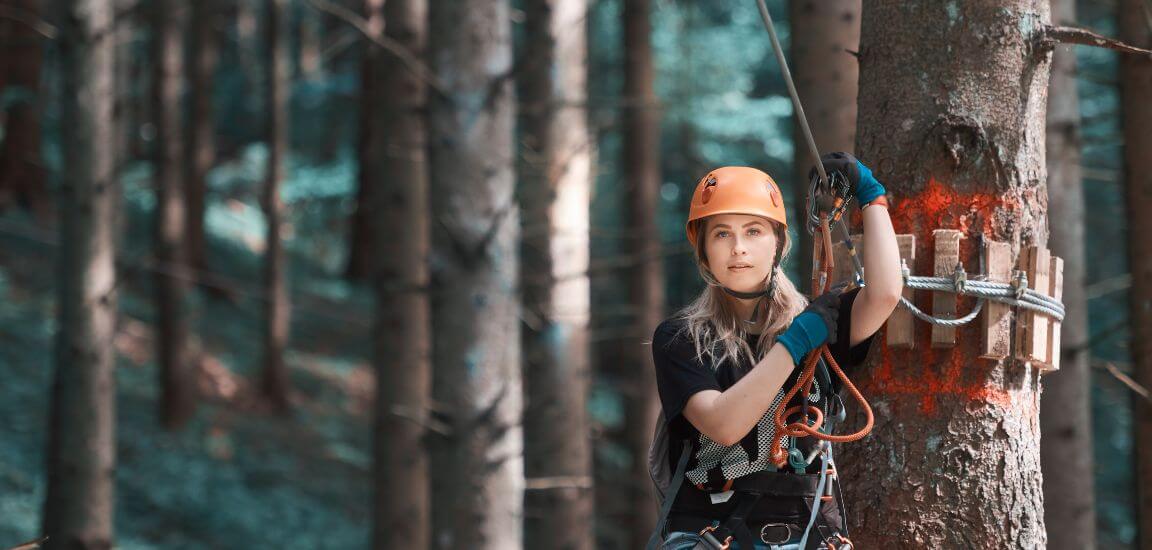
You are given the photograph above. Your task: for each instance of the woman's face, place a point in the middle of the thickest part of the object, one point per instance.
(740, 249)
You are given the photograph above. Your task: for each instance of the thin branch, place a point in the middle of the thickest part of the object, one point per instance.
(1052, 35)
(1124, 379)
(391, 46)
(558, 482)
(33, 21)
(36, 543)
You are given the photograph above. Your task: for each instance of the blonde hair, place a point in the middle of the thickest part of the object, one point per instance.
(711, 320)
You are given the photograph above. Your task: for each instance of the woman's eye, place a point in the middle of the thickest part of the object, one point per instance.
(721, 234)
(753, 231)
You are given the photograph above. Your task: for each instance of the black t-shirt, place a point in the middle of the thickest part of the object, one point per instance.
(680, 375)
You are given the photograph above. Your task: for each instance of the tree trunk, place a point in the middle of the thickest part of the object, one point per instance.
(1135, 89)
(1066, 419)
(177, 403)
(22, 174)
(478, 485)
(646, 281)
(277, 317)
(81, 457)
(555, 184)
(360, 238)
(398, 160)
(823, 33)
(951, 116)
(204, 43)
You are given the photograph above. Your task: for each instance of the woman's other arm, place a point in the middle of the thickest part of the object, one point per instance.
(882, 270)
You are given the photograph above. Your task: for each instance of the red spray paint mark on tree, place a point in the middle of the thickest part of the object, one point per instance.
(936, 374)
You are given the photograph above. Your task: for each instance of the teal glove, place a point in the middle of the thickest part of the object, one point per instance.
(865, 186)
(814, 326)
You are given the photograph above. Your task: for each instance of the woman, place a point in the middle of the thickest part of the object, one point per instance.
(724, 363)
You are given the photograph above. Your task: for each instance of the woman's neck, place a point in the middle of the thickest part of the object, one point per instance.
(744, 309)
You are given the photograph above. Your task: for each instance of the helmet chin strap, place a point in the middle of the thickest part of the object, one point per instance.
(768, 293)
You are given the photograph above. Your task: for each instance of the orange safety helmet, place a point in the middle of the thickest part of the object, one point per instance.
(735, 190)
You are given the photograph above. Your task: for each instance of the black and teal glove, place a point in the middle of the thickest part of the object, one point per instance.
(864, 186)
(815, 326)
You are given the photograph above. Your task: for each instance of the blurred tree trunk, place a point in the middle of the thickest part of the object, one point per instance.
(360, 238)
(177, 402)
(81, 456)
(555, 185)
(646, 280)
(397, 160)
(1065, 405)
(277, 317)
(823, 33)
(1135, 19)
(204, 41)
(477, 488)
(22, 173)
(955, 129)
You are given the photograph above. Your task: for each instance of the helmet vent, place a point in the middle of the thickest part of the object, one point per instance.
(709, 186)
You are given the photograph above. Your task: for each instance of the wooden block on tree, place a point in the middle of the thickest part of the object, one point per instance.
(901, 325)
(947, 254)
(997, 317)
(1055, 290)
(1032, 327)
(845, 268)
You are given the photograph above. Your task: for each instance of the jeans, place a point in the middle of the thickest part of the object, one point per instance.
(684, 540)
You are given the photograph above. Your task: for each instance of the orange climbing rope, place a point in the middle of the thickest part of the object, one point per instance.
(807, 427)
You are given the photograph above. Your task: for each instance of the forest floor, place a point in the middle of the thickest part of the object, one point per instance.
(236, 476)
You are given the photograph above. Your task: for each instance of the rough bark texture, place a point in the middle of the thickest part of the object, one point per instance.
(646, 281)
(478, 469)
(277, 319)
(823, 34)
(951, 116)
(1136, 88)
(204, 41)
(555, 184)
(22, 174)
(81, 453)
(398, 159)
(1066, 407)
(177, 402)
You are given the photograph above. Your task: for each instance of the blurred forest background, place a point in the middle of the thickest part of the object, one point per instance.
(244, 459)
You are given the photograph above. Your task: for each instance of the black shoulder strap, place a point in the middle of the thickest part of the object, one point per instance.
(670, 496)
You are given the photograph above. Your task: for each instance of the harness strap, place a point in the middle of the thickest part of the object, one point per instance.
(736, 522)
(670, 496)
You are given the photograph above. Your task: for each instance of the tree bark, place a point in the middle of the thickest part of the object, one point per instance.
(478, 485)
(951, 116)
(1135, 89)
(641, 162)
(555, 185)
(824, 32)
(177, 403)
(81, 456)
(397, 160)
(22, 174)
(277, 317)
(1066, 407)
(204, 41)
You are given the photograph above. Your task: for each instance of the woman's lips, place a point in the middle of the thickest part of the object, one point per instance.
(739, 268)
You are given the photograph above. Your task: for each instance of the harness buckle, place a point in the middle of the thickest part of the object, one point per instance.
(706, 534)
(787, 533)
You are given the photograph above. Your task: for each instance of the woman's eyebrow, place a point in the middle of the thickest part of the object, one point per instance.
(726, 226)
